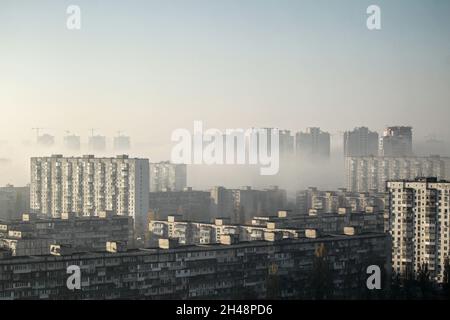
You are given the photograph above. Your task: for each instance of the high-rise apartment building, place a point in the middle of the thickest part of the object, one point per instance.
(371, 173)
(191, 204)
(286, 144)
(420, 218)
(121, 143)
(312, 144)
(167, 176)
(72, 142)
(240, 205)
(221, 202)
(97, 143)
(396, 142)
(14, 201)
(360, 142)
(45, 140)
(88, 185)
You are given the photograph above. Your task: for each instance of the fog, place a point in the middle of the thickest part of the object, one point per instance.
(155, 66)
(293, 175)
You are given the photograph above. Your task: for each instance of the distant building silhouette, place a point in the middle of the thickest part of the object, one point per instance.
(45, 140)
(72, 142)
(97, 143)
(313, 144)
(396, 142)
(121, 143)
(360, 142)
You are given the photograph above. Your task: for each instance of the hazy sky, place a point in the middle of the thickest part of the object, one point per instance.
(148, 67)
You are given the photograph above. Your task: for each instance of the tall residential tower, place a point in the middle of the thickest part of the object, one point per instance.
(420, 218)
(88, 185)
(313, 144)
(360, 142)
(396, 142)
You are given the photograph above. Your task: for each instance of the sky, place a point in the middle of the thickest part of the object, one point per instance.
(149, 67)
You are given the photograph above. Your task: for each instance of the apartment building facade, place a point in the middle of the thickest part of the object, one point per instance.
(167, 176)
(88, 185)
(191, 204)
(240, 205)
(364, 174)
(360, 142)
(191, 233)
(331, 201)
(14, 201)
(420, 218)
(369, 220)
(313, 144)
(252, 270)
(397, 142)
(33, 235)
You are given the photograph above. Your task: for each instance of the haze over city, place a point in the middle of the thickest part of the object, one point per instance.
(150, 67)
(246, 154)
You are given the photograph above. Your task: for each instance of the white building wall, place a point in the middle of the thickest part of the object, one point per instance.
(88, 185)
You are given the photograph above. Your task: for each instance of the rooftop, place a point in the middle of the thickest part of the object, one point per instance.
(189, 248)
